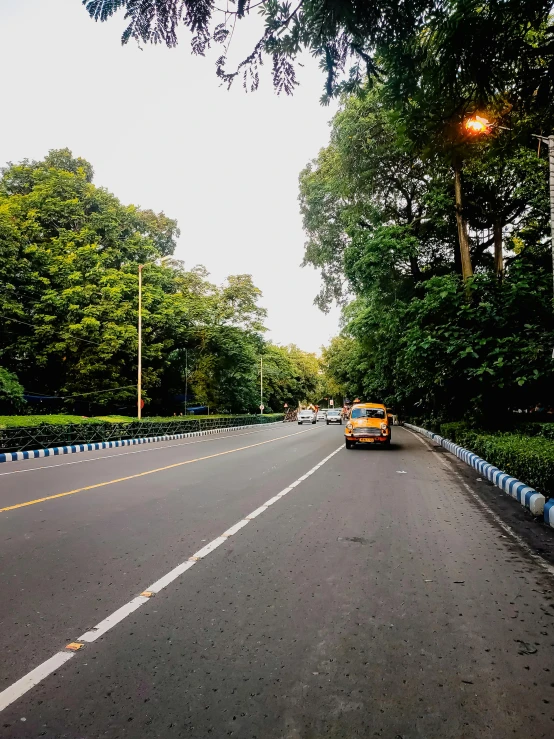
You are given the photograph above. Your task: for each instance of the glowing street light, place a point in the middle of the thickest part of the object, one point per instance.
(477, 124)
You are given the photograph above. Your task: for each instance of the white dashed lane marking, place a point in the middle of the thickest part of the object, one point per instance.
(28, 681)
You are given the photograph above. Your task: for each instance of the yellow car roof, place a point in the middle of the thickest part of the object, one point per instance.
(368, 405)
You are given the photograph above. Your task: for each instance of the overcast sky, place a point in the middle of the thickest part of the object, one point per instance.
(161, 133)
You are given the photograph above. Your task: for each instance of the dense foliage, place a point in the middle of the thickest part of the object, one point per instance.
(11, 391)
(522, 457)
(464, 49)
(69, 305)
(380, 216)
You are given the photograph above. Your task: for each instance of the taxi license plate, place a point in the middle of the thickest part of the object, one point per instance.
(367, 440)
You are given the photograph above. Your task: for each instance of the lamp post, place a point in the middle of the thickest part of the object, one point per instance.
(139, 363)
(261, 385)
(478, 125)
(550, 142)
(139, 378)
(186, 378)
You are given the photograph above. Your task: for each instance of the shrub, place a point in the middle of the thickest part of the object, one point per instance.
(546, 430)
(453, 429)
(529, 459)
(11, 391)
(61, 419)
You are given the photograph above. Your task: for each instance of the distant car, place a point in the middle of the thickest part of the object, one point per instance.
(306, 416)
(334, 416)
(321, 415)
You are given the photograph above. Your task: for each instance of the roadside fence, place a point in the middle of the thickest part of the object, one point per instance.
(23, 438)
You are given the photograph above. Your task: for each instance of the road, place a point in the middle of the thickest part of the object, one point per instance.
(376, 597)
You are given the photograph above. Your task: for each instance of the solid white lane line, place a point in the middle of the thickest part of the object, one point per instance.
(271, 501)
(15, 691)
(257, 512)
(113, 619)
(124, 454)
(201, 553)
(237, 527)
(164, 581)
(33, 678)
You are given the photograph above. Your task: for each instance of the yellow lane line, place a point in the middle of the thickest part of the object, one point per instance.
(142, 474)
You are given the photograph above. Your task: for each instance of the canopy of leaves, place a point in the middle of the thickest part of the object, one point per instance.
(463, 48)
(69, 302)
(379, 217)
(11, 391)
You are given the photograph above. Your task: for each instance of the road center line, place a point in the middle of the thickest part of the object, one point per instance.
(28, 681)
(142, 474)
(142, 450)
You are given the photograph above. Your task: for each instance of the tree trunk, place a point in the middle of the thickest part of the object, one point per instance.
(498, 255)
(414, 266)
(463, 238)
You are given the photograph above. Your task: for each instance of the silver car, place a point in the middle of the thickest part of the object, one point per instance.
(306, 416)
(333, 416)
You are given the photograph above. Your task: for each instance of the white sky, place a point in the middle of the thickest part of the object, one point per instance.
(161, 133)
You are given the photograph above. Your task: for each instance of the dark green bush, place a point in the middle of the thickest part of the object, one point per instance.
(453, 429)
(529, 459)
(546, 430)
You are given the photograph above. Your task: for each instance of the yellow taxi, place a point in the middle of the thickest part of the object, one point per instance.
(368, 423)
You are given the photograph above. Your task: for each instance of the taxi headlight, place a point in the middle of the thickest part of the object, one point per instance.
(384, 427)
(349, 426)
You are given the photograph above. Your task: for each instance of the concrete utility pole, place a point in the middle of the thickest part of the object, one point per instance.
(139, 378)
(463, 238)
(550, 142)
(479, 125)
(551, 162)
(160, 263)
(261, 385)
(186, 378)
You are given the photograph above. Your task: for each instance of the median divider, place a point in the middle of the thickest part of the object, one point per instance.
(527, 496)
(74, 448)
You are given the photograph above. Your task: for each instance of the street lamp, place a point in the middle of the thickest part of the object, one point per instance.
(261, 385)
(550, 141)
(139, 369)
(478, 125)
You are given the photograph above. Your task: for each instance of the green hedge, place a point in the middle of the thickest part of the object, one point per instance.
(63, 419)
(452, 430)
(527, 458)
(546, 430)
(21, 438)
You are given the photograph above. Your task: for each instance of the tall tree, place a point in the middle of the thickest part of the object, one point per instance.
(68, 299)
(413, 337)
(468, 45)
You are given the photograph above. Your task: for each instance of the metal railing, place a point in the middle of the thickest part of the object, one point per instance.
(23, 438)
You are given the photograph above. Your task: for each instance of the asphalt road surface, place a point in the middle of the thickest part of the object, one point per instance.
(373, 596)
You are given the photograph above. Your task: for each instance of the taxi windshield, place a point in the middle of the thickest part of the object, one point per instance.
(368, 413)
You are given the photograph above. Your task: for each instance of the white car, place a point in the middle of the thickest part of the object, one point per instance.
(333, 416)
(322, 415)
(306, 416)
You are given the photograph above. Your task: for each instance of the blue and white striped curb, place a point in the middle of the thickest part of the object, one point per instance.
(549, 512)
(518, 490)
(59, 450)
